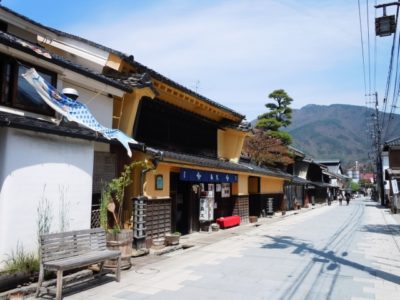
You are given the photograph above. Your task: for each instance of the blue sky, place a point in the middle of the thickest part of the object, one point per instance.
(234, 52)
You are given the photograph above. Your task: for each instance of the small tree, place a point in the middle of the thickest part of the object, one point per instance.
(113, 194)
(355, 187)
(264, 149)
(280, 113)
(268, 145)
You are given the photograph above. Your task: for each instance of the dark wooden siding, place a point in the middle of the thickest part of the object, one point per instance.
(167, 127)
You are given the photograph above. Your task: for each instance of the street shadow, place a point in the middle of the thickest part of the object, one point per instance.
(80, 286)
(329, 257)
(376, 206)
(278, 244)
(390, 229)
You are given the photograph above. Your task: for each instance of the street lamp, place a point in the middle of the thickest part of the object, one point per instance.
(385, 25)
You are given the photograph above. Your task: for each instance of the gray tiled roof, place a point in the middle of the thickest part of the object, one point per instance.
(64, 34)
(14, 42)
(128, 58)
(299, 180)
(327, 162)
(68, 129)
(144, 69)
(134, 80)
(225, 165)
(393, 142)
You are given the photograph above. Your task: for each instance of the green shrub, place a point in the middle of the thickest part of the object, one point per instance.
(21, 261)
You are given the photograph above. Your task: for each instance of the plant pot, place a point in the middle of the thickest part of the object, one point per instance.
(11, 281)
(172, 239)
(121, 241)
(253, 219)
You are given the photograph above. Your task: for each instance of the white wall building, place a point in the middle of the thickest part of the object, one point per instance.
(46, 168)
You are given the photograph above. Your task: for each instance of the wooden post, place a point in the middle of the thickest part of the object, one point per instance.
(40, 281)
(59, 284)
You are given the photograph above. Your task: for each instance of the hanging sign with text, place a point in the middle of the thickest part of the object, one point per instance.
(206, 176)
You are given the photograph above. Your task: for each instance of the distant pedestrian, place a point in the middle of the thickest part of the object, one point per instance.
(347, 195)
(340, 197)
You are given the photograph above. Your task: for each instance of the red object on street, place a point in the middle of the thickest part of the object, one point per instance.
(226, 222)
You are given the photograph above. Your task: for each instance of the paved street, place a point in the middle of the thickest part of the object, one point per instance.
(332, 252)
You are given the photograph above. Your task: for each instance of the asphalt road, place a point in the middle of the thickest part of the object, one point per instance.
(332, 252)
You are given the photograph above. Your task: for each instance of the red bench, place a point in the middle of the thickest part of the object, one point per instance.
(226, 222)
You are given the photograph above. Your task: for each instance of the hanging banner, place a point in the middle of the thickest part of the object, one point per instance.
(206, 206)
(206, 176)
(226, 190)
(73, 110)
(395, 188)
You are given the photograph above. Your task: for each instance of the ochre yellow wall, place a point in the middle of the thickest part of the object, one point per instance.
(125, 110)
(149, 185)
(271, 185)
(241, 187)
(135, 189)
(114, 62)
(230, 143)
(192, 103)
(253, 185)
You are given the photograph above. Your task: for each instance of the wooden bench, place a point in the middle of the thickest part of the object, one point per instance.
(71, 250)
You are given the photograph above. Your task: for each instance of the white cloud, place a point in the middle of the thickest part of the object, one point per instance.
(242, 50)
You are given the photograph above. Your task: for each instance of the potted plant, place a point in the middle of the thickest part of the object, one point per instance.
(111, 215)
(172, 239)
(20, 268)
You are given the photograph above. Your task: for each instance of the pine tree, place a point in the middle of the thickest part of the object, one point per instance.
(268, 145)
(279, 115)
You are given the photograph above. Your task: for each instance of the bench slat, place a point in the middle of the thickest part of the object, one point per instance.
(71, 244)
(82, 260)
(76, 232)
(63, 235)
(74, 243)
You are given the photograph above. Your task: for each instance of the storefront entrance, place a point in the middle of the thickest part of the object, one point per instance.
(199, 198)
(185, 205)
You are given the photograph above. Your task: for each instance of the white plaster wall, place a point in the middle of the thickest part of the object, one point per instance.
(385, 166)
(34, 167)
(99, 105)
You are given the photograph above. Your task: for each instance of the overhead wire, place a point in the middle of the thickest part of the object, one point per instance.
(366, 94)
(362, 48)
(369, 51)
(375, 54)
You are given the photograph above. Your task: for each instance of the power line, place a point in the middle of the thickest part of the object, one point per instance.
(369, 51)
(375, 54)
(362, 48)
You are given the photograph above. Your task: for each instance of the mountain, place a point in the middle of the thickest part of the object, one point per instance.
(336, 132)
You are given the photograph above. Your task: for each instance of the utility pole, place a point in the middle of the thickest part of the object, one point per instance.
(384, 26)
(378, 148)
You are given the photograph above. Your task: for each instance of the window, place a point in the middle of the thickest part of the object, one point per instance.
(17, 92)
(3, 26)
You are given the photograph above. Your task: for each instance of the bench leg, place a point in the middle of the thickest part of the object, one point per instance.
(59, 284)
(40, 281)
(118, 270)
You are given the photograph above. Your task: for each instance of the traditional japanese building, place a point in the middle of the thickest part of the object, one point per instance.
(193, 142)
(392, 174)
(46, 162)
(200, 176)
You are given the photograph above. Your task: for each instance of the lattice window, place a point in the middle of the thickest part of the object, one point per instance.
(95, 218)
